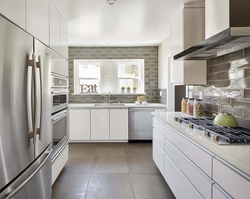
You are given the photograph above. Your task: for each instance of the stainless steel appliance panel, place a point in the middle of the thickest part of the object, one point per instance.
(16, 149)
(44, 135)
(60, 131)
(140, 123)
(34, 182)
(25, 127)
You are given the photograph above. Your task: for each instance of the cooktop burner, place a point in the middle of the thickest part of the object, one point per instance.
(223, 135)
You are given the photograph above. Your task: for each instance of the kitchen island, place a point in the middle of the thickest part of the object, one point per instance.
(209, 170)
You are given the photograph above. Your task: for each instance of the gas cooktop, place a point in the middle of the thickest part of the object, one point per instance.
(221, 135)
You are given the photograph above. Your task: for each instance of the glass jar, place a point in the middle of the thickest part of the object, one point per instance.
(184, 105)
(190, 104)
(198, 108)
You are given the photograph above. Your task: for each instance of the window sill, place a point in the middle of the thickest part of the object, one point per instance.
(108, 94)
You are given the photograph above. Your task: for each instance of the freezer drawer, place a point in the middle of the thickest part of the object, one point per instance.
(34, 182)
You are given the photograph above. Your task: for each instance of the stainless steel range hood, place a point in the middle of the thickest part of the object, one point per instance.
(234, 38)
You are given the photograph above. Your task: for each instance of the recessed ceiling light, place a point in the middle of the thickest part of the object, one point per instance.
(111, 2)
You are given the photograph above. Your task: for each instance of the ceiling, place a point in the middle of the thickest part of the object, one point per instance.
(127, 23)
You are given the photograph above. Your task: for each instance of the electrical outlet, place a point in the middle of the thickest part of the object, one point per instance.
(160, 93)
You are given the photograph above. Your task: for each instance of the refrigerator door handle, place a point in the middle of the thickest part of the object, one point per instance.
(38, 65)
(13, 192)
(32, 134)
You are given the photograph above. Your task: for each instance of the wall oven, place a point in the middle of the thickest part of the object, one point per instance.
(59, 93)
(59, 132)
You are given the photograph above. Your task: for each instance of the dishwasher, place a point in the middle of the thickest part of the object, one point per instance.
(140, 124)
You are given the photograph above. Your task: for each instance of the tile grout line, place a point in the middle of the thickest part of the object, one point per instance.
(90, 173)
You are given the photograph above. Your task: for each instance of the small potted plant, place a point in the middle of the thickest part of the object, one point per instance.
(134, 89)
(128, 89)
(122, 89)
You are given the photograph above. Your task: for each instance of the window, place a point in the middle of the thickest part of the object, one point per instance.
(87, 77)
(103, 76)
(130, 74)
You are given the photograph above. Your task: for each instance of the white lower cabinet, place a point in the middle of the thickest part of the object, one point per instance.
(79, 124)
(59, 162)
(158, 157)
(99, 124)
(218, 193)
(118, 124)
(196, 176)
(231, 180)
(178, 183)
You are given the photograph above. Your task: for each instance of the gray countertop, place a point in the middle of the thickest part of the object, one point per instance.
(236, 155)
(115, 105)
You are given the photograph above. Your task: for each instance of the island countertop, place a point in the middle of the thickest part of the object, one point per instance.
(235, 154)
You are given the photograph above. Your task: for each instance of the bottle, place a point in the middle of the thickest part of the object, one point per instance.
(184, 105)
(198, 108)
(190, 106)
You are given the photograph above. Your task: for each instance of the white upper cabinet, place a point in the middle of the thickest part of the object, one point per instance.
(55, 26)
(14, 10)
(58, 32)
(187, 29)
(64, 38)
(37, 19)
(217, 16)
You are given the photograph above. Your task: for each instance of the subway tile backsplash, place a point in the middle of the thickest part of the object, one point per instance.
(149, 54)
(228, 80)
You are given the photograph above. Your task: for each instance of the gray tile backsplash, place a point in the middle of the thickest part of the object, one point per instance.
(230, 74)
(149, 54)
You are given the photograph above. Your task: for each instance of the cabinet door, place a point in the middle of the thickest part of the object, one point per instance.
(233, 182)
(59, 163)
(37, 19)
(55, 26)
(99, 124)
(219, 193)
(118, 124)
(217, 16)
(158, 157)
(79, 125)
(14, 10)
(178, 183)
(64, 38)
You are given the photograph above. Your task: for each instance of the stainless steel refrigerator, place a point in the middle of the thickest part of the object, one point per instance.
(25, 124)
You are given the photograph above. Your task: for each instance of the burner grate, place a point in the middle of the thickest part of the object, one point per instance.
(232, 135)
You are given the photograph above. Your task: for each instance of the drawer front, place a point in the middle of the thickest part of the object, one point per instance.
(192, 172)
(178, 183)
(197, 155)
(231, 181)
(158, 125)
(159, 138)
(219, 193)
(158, 157)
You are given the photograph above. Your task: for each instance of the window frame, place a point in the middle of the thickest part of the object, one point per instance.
(141, 80)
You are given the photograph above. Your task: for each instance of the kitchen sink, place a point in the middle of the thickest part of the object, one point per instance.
(109, 104)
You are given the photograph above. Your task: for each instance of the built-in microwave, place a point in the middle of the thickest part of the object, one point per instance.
(59, 93)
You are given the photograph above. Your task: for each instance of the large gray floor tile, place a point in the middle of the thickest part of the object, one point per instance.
(141, 164)
(138, 149)
(110, 164)
(70, 186)
(79, 164)
(86, 149)
(110, 149)
(148, 186)
(109, 186)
